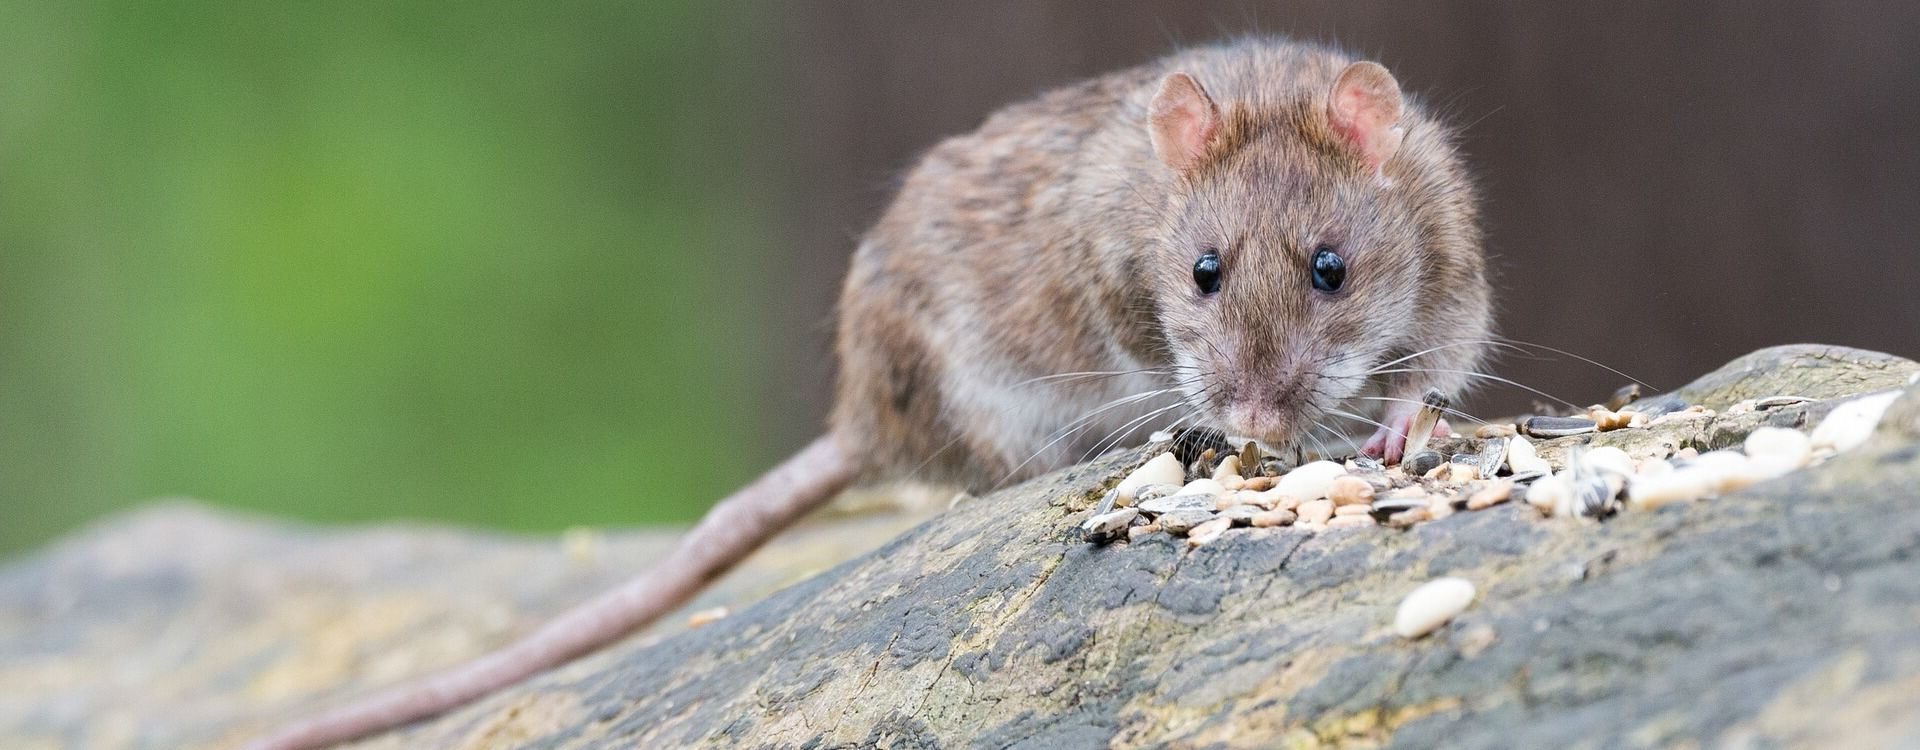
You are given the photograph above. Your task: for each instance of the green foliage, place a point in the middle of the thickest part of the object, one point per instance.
(354, 261)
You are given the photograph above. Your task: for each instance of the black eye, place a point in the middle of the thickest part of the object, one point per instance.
(1328, 270)
(1206, 272)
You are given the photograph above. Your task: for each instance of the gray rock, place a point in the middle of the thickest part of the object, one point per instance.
(1777, 616)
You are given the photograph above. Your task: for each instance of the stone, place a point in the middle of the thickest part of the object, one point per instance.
(1431, 605)
(1779, 615)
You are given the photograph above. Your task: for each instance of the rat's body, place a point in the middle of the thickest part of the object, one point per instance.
(1165, 229)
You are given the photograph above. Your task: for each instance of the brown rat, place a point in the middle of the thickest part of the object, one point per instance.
(1264, 237)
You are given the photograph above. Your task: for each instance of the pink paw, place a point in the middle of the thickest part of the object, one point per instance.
(1390, 441)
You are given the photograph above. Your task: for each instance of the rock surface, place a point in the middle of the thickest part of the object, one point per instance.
(1787, 614)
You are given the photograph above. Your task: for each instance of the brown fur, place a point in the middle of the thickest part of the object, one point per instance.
(1050, 239)
(1053, 241)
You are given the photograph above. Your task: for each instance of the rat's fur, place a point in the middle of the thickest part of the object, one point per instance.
(1031, 288)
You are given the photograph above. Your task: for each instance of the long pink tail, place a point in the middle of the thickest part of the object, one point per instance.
(726, 535)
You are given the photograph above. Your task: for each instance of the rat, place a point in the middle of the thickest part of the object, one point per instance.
(1259, 236)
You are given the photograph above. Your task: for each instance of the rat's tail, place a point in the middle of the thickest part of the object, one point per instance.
(726, 535)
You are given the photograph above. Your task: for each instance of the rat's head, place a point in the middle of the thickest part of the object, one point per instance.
(1309, 241)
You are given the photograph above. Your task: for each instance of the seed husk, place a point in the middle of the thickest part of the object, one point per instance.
(1432, 408)
(1551, 427)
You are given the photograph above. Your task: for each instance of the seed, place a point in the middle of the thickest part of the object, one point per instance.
(1259, 484)
(1350, 490)
(1155, 491)
(1439, 507)
(1592, 497)
(1550, 493)
(1654, 491)
(1182, 521)
(1206, 533)
(1409, 517)
(1400, 499)
(1352, 510)
(1432, 605)
(1488, 431)
(1179, 503)
(1607, 459)
(1231, 482)
(1490, 495)
(1476, 639)
(1269, 518)
(1466, 467)
(1523, 459)
(1418, 464)
(1440, 473)
(706, 616)
(1135, 532)
(1776, 402)
(1550, 427)
(1107, 527)
(1850, 424)
(1241, 515)
(1316, 511)
(1493, 455)
(1351, 522)
(1627, 394)
(1229, 467)
(1163, 469)
(1312, 481)
(1778, 450)
(1203, 487)
(1249, 457)
(1424, 420)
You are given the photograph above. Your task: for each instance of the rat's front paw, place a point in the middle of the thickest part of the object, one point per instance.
(1390, 441)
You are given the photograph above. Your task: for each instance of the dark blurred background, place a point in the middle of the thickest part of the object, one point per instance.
(533, 267)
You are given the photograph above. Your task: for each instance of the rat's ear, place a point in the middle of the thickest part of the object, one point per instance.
(1364, 108)
(1183, 122)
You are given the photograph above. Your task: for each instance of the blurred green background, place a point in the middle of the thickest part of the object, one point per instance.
(529, 266)
(469, 261)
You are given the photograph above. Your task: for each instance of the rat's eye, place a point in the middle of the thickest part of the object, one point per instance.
(1328, 270)
(1206, 272)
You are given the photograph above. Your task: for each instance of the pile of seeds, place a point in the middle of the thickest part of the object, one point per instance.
(1201, 488)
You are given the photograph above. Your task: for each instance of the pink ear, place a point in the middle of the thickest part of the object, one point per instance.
(1364, 107)
(1182, 122)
